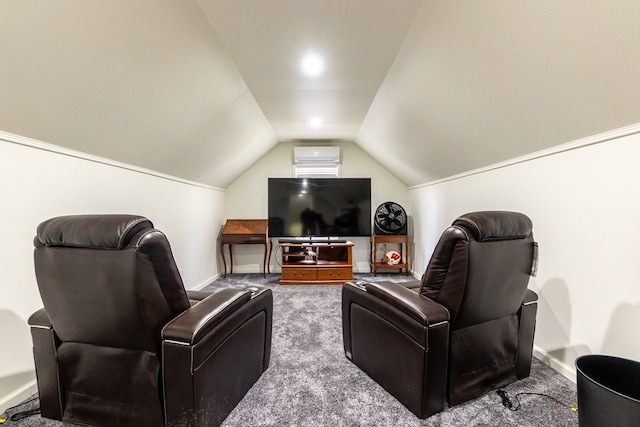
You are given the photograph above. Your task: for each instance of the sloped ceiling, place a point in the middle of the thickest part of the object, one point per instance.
(144, 82)
(477, 83)
(202, 89)
(357, 40)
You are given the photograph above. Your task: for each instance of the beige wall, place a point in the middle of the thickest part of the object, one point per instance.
(39, 184)
(247, 196)
(583, 203)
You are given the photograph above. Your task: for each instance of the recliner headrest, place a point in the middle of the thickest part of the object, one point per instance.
(496, 225)
(90, 231)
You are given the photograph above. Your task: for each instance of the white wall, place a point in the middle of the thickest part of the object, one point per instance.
(247, 197)
(37, 184)
(583, 203)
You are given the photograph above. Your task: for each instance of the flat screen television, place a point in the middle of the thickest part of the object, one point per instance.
(300, 207)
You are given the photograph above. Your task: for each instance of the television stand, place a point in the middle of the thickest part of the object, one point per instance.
(316, 262)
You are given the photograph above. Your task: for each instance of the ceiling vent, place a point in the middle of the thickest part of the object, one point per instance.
(315, 155)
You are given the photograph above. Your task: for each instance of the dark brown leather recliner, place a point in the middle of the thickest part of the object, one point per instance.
(119, 340)
(466, 328)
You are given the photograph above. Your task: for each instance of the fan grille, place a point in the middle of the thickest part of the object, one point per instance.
(390, 218)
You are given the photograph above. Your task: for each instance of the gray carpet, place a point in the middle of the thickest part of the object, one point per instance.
(311, 383)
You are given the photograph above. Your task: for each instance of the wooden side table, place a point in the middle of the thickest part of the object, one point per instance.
(246, 232)
(402, 240)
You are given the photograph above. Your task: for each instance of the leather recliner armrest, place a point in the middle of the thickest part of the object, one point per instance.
(420, 308)
(40, 319)
(194, 323)
(528, 311)
(218, 347)
(45, 343)
(388, 328)
(530, 297)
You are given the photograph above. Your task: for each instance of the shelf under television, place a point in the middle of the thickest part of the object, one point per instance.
(326, 263)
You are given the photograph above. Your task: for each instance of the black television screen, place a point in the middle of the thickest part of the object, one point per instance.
(319, 207)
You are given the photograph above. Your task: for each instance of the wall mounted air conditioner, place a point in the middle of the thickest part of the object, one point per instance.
(312, 155)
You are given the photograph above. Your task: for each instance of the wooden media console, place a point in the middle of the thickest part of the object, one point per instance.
(315, 263)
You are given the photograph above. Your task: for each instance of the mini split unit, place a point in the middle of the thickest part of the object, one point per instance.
(310, 155)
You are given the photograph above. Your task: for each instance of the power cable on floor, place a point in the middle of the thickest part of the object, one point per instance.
(508, 403)
(19, 415)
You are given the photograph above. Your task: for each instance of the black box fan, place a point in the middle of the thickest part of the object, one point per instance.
(390, 218)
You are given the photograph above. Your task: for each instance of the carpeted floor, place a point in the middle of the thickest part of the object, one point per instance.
(311, 383)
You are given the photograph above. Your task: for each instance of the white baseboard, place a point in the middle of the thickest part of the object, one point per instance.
(555, 363)
(18, 395)
(206, 283)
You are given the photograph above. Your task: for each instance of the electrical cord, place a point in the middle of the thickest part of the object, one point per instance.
(19, 415)
(276, 256)
(508, 403)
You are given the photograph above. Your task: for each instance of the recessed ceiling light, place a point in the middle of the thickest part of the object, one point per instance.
(315, 121)
(312, 65)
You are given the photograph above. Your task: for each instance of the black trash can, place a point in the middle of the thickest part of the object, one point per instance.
(608, 391)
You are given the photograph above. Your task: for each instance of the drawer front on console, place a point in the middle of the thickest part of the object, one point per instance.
(335, 274)
(299, 274)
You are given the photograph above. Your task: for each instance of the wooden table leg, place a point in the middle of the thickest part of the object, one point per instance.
(264, 262)
(224, 261)
(406, 260)
(372, 257)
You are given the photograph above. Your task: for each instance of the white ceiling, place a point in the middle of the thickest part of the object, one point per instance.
(358, 39)
(201, 89)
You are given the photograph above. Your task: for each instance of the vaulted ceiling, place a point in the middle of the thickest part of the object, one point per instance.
(429, 88)
(357, 41)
